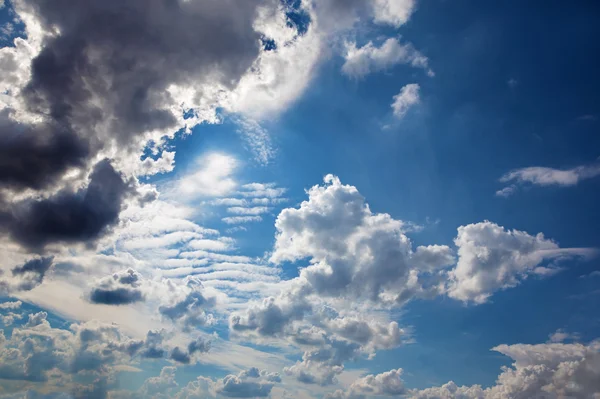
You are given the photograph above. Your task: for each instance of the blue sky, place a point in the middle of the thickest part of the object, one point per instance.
(307, 199)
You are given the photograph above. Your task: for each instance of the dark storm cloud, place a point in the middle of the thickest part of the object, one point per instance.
(102, 81)
(34, 156)
(69, 216)
(126, 54)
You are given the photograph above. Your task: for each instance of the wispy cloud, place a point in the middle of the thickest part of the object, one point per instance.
(407, 98)
(542, 176)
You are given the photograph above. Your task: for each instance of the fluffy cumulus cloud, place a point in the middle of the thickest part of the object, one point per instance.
(354, 256)
(408, 97)
(37, 352)
(491, 258)
(353, 252)
(539, 371)
(389, 383)
(361, 61)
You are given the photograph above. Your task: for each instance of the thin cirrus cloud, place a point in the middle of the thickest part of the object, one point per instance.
(543, 176)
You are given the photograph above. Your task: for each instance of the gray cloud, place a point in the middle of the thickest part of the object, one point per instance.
(69, 216)
(100, 85)
(119, 289)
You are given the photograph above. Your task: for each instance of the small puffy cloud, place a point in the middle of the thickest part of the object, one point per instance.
(389, 383)
(506, 191)
(392, 12)
(406, 99)
(199, 345)
(252, 383)
(186, 303)
(561, 335)
(368, 59)
(7, 314)
(163, 164)
(119, 289)
(10, 305)
(491, 258)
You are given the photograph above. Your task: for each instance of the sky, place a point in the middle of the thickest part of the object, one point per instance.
(313, 199)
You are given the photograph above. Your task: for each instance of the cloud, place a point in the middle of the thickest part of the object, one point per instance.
(552, 370)
(257, 139)
(491, 258)
(354, 252)
(212, 179)
(37, 352)
(27, 276)
(119, 289)
(389, 383)
(368, 59)
(241, 219)
(35, 156)
(542, 176)
(10, 305)
(187, 304)
(561, 335)
(256, 210)
(267, 190)
(77, 93)
(67, 216)
(506, 191)
(393, 12)
(252, 383)
(407, 98)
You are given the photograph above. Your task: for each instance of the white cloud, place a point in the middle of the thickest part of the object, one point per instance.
(407, 98)
(392, 12)
(256, 210)
(241, 219)
(542, 176)
(257, 139)
(165, 163)
(561, 335)
(212, 179)
(368, 59)
(389, 383)
(506, 191)
(491, 258)
(539, 371)
(267, 190)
